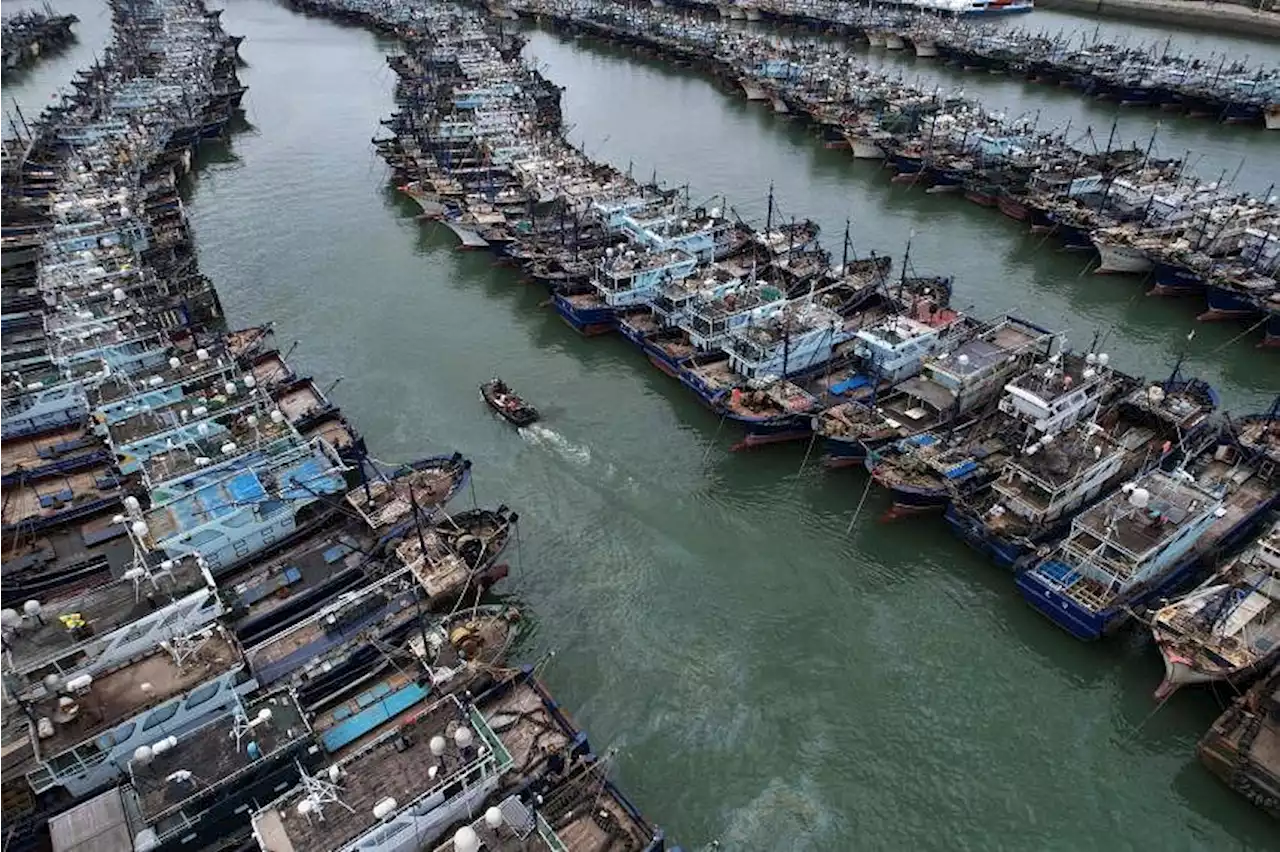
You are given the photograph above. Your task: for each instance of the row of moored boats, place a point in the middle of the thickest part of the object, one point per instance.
(1129, 211)
(1107, 495)
(1219, 87)
(25, 35)
(225, 625)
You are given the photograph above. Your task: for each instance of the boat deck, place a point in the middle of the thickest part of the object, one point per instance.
(118, 695)
(1137, 531)
(307, 645)
(716, 374)
(521, 830)
(101, 609)
(33, 452)
(272, 370)
(398, 764)
(1246, 492)
(300, 402)
(191, 371)
(440, 571)
(268, 585)
(918, 405)
(45, 500)
(333, 431)
(384, 503)
(214, 756)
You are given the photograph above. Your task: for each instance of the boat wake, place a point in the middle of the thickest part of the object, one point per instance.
(541, 436)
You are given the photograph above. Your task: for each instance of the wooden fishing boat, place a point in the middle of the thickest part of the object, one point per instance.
(502, 400)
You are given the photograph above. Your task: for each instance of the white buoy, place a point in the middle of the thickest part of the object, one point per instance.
(161, 746)
(132, 505)
(493, 818)
(230, 388)
(437, 745)
(142, 754)
(1140, 498)
(202, 354)
(385, 808)
(10, 618)
(264, 715)
(305, 807)
(335, 772)
(249, 381)
(117, 294)
(466, 840)
(80, 683)
(277, 417)
(175, 363)
(462, 737)
(140, 529)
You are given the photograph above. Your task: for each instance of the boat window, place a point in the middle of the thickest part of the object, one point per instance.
(160, 716)
(203, 694)
(63, 762)
(203, 537)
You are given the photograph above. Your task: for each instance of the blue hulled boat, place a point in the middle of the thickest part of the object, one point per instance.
(1150, 538)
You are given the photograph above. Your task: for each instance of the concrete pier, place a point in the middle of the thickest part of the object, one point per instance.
(1218, 17)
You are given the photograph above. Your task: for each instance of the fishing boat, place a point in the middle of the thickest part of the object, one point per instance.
(1149, 539)
(1228, 627)
(1046, 483)
(1240, 746)
(197, 786)
(448, 756)
(954, 387)
(928, 470)
(507, 404)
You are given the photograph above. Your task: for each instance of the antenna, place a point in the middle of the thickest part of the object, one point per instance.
(319, 792)
(242, 725)
(184, 648)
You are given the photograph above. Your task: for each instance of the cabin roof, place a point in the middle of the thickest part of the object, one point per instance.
(1173, 503)
(101, 609)
(97, 825)
(119, 695)
(213, 754)
(396, 765)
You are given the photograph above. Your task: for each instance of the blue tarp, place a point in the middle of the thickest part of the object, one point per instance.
(349, 730)
(851, 384)
(1060, 572)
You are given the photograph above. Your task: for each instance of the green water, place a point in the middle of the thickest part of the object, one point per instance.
(770, 677)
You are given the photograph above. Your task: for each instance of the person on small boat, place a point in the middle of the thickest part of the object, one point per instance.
(502, 396)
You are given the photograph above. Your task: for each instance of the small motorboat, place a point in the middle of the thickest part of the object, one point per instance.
(502, 400)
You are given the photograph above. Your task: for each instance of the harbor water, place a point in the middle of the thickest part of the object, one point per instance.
(773, 670)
